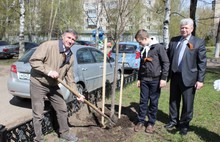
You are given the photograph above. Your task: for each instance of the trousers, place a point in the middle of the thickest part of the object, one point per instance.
(38, 93)
(149, 97)
(178, 92)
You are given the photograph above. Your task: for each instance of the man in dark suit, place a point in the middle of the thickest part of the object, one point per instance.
(187, 55)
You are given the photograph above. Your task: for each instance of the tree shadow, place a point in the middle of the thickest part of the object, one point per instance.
(129, 111)
(26, 103)
(205, 134)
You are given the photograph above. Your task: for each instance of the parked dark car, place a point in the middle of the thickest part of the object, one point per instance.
(7, 50)
(27, 45)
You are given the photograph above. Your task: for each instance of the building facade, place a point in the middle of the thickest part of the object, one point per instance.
(95, 19)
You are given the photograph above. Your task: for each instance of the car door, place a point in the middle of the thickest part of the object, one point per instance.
(99, 58)
(88, 68)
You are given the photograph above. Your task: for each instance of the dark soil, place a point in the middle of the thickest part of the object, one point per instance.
(88, 128)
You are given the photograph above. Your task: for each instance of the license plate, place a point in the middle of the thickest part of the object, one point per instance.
(24, 76)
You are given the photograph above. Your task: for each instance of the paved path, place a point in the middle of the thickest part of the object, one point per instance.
(12, 111)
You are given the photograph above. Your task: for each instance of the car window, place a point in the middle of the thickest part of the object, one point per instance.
(84, 56)
(125, 48)
(3, 43)
(27, 55)
(98, 55)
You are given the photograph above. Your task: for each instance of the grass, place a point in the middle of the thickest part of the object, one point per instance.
(206, 120)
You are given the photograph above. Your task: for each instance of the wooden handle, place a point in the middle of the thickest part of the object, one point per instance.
(77, 94)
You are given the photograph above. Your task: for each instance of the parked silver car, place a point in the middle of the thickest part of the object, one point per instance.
(7, 50)
(88, 71)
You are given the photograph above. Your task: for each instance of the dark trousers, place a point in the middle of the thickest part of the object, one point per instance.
(179, 91)
(38, 94)
(149, 96)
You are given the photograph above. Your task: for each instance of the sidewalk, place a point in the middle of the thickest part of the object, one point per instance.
(213, 62)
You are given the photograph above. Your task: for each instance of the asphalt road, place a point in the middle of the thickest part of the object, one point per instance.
(12, 110)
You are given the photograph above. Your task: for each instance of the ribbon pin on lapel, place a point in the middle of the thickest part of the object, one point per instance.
(190, 45)
(148, 59)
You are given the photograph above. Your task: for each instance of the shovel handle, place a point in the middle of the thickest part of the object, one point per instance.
(77, 94)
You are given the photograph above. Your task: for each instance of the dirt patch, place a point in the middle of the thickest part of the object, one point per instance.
(87, 128)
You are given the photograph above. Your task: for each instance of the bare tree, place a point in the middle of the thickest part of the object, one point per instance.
(53, 14)
(7, 8)
(166, 23)
(118, 14)
(22, 22)
(193, 5)
(217, 44)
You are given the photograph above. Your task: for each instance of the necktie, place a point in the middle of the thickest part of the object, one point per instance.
(176, 56)
(182, 50)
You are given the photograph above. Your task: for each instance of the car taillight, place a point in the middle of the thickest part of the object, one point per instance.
(13, 68)
(5, 50)
(109, 53)
(138, 54)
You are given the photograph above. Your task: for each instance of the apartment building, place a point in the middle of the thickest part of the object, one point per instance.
(95, 19)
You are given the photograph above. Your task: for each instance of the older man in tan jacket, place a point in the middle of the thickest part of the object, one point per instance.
(52, 60)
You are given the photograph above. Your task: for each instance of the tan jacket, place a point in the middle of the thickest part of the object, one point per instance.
(48, 57)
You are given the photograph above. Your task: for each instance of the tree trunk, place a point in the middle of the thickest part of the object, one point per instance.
(115, 80)
(22, 22)
(217, 44)
(193, 6)
(50, 21)
(166, 23)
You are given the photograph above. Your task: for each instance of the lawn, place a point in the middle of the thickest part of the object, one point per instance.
(206, 121)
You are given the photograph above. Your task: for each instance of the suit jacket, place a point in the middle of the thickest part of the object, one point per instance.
(193, 61)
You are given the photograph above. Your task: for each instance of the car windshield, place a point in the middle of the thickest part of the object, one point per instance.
(3, 43)
(27, 55)
(125, 48)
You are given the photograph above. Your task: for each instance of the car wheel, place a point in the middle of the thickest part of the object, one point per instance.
(74, 105)
(80, 88)
(118, 75)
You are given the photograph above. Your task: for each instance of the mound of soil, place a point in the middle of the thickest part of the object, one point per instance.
(87, 126)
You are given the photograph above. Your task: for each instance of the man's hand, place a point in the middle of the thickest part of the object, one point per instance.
(162, 83)
(81, 98)
(198, 85)
(53, 74)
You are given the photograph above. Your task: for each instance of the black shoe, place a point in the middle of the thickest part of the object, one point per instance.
(170, 125)
(69, 139)
(183, 131)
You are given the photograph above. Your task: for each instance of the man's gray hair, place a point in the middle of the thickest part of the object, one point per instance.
(187, 21)
(72, 32)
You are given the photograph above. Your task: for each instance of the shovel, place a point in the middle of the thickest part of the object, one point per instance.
(76, 93)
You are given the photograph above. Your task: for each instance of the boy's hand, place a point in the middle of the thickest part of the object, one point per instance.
(162, 83)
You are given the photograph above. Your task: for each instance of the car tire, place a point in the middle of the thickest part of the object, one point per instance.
(80, 88)
(118, 75)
